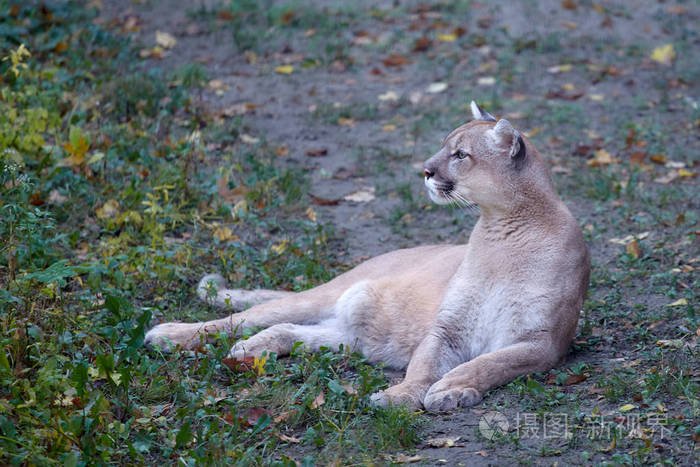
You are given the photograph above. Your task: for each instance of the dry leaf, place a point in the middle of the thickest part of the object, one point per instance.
(288, 439)
(442, 442)
(389, 127)
(569, 24)
(316, 152)
(239, 365)
(422, 44)
(435, 88)
(447, 37)
(318, 401)
(108, 210)
(237, 109)
(632, 249)
(668, 178)
(224, 234)
(658, 158)
(486, 81)
(323, 201)
(247, 139)
(664, 54)
(250, 416)
(390, 96)
(396, 60)
(560, 68)
(361, 196)
(284, 69)
(568, 4)
(311, 214)
(228, 195)
(165, 40)
(637, 157)
(673, 343)
(679, 302)
(687, 173)
(627, 407)
(346, 121)
(600, 157)
(284, 416)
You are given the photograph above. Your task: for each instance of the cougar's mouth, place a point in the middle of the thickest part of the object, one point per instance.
(440, 192)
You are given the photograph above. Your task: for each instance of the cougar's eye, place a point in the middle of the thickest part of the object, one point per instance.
(460, 154)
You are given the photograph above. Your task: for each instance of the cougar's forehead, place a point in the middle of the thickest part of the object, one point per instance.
(468, 129)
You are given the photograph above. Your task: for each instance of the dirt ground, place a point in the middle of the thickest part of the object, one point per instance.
(367, 102)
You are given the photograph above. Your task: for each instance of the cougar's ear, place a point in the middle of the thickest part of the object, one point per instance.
(480, 114)
(505, 134)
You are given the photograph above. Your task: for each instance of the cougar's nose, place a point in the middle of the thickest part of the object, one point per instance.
(428, 173)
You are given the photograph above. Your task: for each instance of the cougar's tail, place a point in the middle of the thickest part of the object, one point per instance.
(212, 289)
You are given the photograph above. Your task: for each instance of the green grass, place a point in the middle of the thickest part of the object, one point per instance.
(112, 210)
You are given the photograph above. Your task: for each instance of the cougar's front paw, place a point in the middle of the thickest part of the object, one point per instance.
(408, 396)
(441, 398)
(169, 336)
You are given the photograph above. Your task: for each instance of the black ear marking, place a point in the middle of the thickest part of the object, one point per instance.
(519, 157)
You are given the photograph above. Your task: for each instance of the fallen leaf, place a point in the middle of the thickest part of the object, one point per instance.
(442, 442)
(165, 40)
(687, 173)
(237, 109)
(56, 198)
(401, 458)
(284, 416)
(318, 401)
(568, 4)
(560, 68)
(569, 24)
(346, 121)
(251, 416)
(627, 407)
(575, 379)
(447, 37)
(422, 44)
(231, 196)
(317, 152)
(601, 157)
(288, 439)
(323, 201)
(348, 388)
(224, 234)
(108, 210)
(389, 127)
(679, 302)
(674, 343)
(361, 196)
(596, 97)
(311, 214)
(663, 54)
(390, 96)
(658, 158)
(668, 178)
(282, 151)
(435, 88)
(486, 81)
(247, 139)
(239, 365)
(637, 157)
(284, 69)
(632, 249)
(280, 247)
(395, 60)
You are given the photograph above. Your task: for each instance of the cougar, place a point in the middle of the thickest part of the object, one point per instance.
(461, 319)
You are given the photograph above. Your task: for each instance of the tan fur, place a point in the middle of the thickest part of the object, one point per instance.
(461, 319)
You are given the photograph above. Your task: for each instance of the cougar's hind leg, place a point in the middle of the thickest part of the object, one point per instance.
(212, 289)
(308, 307)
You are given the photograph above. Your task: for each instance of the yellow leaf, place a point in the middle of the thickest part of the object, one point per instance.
(596, 97)
(285, 69)
(627, 407)
(311, 214)
(389, 127)
(679, 302)
(600, 157)
(247, 139)
(447, 37)
(165, 40)
(109, 210)
(280, 247)
(664, 54)
(686, 173)
(224, 234)
(259, 365)
(346, 121)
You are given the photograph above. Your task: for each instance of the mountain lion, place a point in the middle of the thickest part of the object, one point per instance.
(461, 319)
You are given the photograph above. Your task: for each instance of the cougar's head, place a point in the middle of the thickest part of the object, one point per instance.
(484, 162)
